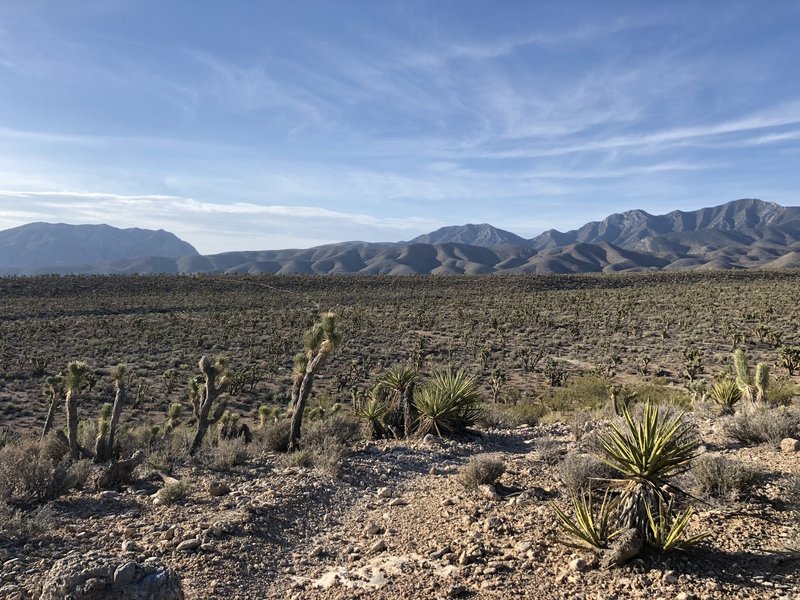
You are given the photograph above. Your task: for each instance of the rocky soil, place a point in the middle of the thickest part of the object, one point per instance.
(395, 522)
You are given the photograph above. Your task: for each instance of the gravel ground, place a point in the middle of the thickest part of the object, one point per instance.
(396, 523)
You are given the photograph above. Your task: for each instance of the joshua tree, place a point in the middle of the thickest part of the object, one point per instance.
(107, 430)
(692, 363)
(496, 382)
(204, 392)
(401, 379)
(761, 381)
(320, 341)
(120, 395)
(790, 358)
(101, 450)
(742, 374)
(76, 378)
(54, 391)
(752, 389)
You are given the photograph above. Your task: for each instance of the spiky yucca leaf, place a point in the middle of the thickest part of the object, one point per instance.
(372, 409)
(726, 393)
(666, 530)
(449, 403)
(590, 528)
(651, 450)
(399, 377)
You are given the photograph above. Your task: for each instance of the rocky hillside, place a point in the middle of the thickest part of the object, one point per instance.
(47, 247)
(743, 222)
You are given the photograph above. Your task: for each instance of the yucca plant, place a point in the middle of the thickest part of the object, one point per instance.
(449, 403)
(373, 409)
(667, 528)
(590, 528)
(647, 453)
(726, 393)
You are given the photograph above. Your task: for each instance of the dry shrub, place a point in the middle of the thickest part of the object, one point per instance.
(18, 527)
(579, 471)
(28, 474)
(714, 476)
(762, 424)
(226, 454)
(274, 437)
(481, 470)
(174, 492)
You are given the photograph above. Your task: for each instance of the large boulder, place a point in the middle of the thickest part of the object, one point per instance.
(99, 576)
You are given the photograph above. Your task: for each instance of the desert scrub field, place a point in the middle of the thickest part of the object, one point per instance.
(613, 433)
(517, 334)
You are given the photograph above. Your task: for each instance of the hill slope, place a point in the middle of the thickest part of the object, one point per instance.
(475, 235)
(42, 246)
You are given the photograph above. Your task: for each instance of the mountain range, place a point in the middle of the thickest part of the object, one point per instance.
(746, 233)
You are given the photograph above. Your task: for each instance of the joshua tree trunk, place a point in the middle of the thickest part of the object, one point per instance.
(119, 401)
(202, 419)
(51, 415)
(209, 395)
(72, 425)
(100, 447)
(409, 414)
(295, 392)
(302, 398)
(299, 408)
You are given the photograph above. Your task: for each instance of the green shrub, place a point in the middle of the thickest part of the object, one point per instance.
(648, 451)
(590, 527)
(547, 450)
(726, 393)
(667, 527)
(7, 436)
(303, 458)
(343, 428)
(225, 454)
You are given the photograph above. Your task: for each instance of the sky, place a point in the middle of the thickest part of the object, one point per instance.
(261, 124)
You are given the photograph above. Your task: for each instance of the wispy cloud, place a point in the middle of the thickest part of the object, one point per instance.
(219, 227)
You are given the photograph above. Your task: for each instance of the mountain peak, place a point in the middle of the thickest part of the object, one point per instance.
(474, 234)
(37, 247)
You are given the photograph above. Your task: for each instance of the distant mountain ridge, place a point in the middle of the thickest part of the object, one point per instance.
(46, 246)
(482, 234)
(633, 228)
(745, 233)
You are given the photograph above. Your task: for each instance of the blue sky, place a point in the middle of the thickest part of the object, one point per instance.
(260, 124)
